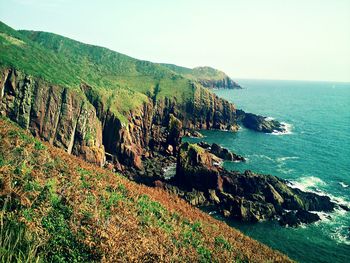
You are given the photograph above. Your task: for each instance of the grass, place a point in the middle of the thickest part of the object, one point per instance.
(17, 244)
(121, 82)
(197, 73)
(58, 208)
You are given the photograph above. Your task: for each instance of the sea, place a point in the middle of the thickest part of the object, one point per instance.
(314, 155)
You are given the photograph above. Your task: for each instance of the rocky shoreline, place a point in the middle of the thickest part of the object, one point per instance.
(247, 196)
(148, 149)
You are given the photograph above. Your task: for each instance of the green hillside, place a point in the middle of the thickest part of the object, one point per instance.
(60, 60)
(196, 73)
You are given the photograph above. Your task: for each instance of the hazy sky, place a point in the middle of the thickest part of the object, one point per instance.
(275, 39)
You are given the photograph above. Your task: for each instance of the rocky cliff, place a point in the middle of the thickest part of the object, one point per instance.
(80, 123)
(159, 124)
(56, 114)
(245, 196)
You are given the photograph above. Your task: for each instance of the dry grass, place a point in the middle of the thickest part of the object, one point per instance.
(72, 207)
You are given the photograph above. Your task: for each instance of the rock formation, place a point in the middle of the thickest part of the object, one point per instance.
(224, 83)
(56, 114)
(221, 152)
(259, 123)
(245, 196)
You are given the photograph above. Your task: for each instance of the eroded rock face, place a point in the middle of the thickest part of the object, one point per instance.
(81, 124)
(159, 124)
(60, 116)
(246, 196)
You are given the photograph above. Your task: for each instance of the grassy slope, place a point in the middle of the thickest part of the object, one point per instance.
(203, 73)
(65, 210)
(60, 60)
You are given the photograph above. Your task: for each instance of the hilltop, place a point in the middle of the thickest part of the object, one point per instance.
(63, 209)
(206, 76)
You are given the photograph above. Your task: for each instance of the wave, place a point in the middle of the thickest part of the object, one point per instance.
(285, 171)
(262, 156)
(335, 223)
(344, 185)
(341, 234)
(307, 183)
(311, 184)
(287, 129)
(282, 159)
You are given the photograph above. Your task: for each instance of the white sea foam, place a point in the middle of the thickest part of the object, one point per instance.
(285, 171)
(311, 184)
(307, 183)
(341, 234)
(287, 129)
(282, 159)
(262, 156)
(269, 118)
(344, 185)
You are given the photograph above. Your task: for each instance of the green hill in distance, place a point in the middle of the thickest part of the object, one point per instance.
(207, 76)
(63, 61)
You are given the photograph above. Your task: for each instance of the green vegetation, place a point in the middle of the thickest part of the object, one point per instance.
(57, 208)
(122, 83)
(198, 73)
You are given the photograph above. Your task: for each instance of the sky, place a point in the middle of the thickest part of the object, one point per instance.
(260, 39)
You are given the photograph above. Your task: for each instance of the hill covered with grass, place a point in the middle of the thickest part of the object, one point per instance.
(57, 208)
(207, 76)
(63, 61)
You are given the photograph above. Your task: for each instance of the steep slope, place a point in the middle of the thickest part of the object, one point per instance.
(57, 208)
(208, 77)
(132, 99)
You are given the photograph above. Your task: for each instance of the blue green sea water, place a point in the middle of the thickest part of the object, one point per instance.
(314, 156)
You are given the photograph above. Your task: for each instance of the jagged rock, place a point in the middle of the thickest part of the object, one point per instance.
(294, 219)
(225, 83)
(213, 197)
(259, 123)
(247, 196)
(225, 154)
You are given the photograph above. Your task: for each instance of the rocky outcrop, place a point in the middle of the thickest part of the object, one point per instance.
(246, 196)
(56, 114)
(259, 123)
(221, 152)
(224, 83)
(295, 218)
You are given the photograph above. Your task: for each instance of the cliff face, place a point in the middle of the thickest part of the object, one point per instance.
(224, 83)
(82, 125)
(57, 115)
(159, 124)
